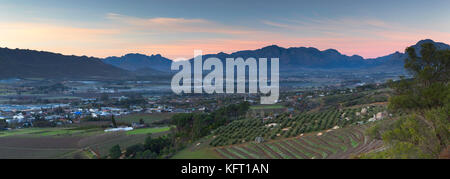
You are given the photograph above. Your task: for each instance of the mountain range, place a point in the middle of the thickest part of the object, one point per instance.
(397, 59)
(17, 63)
(291, 59)
(38, 64)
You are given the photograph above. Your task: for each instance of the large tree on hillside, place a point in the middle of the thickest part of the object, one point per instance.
(426, 96)
(429, 86)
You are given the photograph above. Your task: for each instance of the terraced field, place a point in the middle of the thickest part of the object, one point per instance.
(332, 144)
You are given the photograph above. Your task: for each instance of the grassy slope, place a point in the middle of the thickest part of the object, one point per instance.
(198, 150)
(204, 153)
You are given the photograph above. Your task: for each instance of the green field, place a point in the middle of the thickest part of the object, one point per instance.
(55, 132)
(19, 132)
(40, 132)
(273, 106)
(148, 130)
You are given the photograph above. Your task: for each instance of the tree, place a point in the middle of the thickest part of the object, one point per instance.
(156, 145)
(115, 152)
(429, 87)
(192, 126)
(427, 97)
(113, 120)
(3, 124)
(148, 155)
(132, 150)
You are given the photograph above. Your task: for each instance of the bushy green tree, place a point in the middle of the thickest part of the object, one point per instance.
(429, 87)
(426, 96)
(113, 121)
(115, 152)
(132, 150)
(3, 124)
(193, 126)
(148, 154)
(156, 145)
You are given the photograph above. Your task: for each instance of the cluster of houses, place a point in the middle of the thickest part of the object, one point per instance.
(68, 114)
(26, 117)
(376, 116)
(95, 112)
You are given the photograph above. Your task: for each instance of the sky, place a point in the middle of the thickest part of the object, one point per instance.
(175, 28)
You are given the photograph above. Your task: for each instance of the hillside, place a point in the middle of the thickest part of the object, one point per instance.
(411, 124)
(17, 63)
(330, 144)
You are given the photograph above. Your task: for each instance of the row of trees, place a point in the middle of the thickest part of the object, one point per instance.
(193, 126)
(152, 148)
(246, 130)
(135, 99)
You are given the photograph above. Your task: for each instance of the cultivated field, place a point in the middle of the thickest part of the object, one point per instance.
(333, 144)
(16, 147)
(148, 118)
(285, 126)
(54, 143)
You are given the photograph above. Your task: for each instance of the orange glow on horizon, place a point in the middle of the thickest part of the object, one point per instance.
(114, 41)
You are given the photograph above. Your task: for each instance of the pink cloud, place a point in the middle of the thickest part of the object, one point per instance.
(175, 25)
